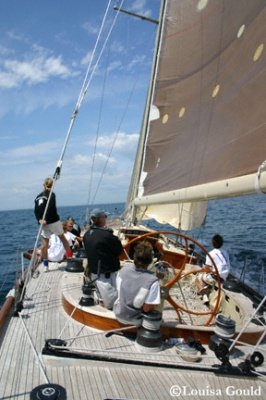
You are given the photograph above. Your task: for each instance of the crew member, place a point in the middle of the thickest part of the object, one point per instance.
(138, 288)
(51, 224)
(103, 249)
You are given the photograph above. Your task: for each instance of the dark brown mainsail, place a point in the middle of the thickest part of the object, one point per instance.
(209, 137)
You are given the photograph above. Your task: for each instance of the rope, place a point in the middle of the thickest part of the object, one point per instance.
(38, 359)
(68, 319)
(122, 329)
(185, 302)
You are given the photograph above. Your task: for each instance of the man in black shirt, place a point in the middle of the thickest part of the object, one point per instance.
(51, 224)
(103, 249)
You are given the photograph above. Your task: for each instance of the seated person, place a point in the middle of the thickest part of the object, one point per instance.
(138, 289)
(206, 281)
(76, 230)
(73, 239)
(220, 257)
(56, 251)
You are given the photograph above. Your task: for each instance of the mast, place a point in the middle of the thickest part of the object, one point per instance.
(135, 177)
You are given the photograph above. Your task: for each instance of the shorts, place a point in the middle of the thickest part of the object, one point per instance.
(49, 229)
(106, 288)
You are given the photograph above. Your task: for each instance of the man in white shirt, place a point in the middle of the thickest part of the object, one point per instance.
(220, 257)
(56, 251)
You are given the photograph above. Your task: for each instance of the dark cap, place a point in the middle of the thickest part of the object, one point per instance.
(97, 212)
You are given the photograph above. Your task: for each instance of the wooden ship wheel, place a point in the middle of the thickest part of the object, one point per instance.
(176, 262)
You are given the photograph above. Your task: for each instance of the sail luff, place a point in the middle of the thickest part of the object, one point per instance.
(135, 177)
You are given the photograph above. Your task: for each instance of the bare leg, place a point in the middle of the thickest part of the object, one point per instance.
(69, 252)
(64, 241)
(44, 250)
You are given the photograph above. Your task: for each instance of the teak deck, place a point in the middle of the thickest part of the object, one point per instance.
(101, 376)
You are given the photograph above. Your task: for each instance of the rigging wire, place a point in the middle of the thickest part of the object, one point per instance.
(113, 143)
(81, 97)
(115, 139)
(84, 89)
(30, 269)
(96, 138)
(36, 355)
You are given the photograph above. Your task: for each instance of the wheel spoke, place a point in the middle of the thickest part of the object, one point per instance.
(180, 272)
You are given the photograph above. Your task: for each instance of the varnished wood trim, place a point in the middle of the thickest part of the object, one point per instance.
(107, 323)
(6, 309)
(88, 319)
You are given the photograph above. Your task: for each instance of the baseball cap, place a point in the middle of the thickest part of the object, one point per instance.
(98, 212)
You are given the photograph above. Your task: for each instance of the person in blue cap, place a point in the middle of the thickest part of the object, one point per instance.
(103, 249)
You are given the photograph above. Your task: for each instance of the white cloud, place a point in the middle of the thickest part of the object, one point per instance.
(99, 159)
(117, 47)
(91, 29)
(126, 142)
(31, 98)
(38, 109)
(87, 58)
(8, 80)
(121, 142)
(115, 65)
(137, 61)
(81, 159)
(139, 6)
(33, 150)
(36, 70)
(28, 154)
(19, 37)
(4, 51)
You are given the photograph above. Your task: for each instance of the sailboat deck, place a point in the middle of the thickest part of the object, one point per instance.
(116, 367)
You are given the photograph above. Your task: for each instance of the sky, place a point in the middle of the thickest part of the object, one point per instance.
(46, 47)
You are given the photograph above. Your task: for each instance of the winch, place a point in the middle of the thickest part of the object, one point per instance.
(149, 335)
(74, 265)
(225, 326)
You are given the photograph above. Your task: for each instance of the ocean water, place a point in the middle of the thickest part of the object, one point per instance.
(241, 221)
